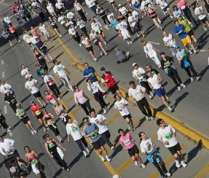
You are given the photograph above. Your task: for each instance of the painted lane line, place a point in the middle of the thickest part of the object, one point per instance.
(2, 62)
(5, 109)
(3, 74)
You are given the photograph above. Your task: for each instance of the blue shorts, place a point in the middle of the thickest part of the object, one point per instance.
(160, 92)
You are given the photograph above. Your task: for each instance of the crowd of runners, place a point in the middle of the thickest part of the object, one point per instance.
(89, 31)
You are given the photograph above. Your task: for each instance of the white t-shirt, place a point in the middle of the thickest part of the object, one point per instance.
(132, 21)
(149, 50)
(138, 93)
(146, 146)
(123, 10)
(138, 74)
(31, 86)
(99, 118)
(154, 82)
(96, 26)
(72, 31)
(77, 6)
(73, 130)
(27, 38)
(199, 12)
(24, 72)
(7, 146)
(162, 3)
(169, 40)
(90, 3)
(50, 8)
(59, 70)
(5, 88)
(121, 106)
(167, 134)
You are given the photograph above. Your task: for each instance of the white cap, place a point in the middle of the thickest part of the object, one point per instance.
(134, 64)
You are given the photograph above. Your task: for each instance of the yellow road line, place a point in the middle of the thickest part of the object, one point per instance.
(203, 172)
(124, 166)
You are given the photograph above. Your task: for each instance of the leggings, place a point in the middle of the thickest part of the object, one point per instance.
(144, 107)
(82, 144)
(175, 77)
(191, 72)
(86, 107)
(99, 98)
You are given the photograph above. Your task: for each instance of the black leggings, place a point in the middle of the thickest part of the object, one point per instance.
(144, 107)
(189, 16)
(86, 107)
(160, 167)
(82, 144)
(3, 123)
(54, 129)
(55, 90)
(146, 85)
(99, 98)
(175, 77)
(61, 162)
(191, 72)
(82, 15)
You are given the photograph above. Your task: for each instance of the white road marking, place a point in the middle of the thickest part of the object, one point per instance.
(5, 109)
(2, 62)
(3, 74)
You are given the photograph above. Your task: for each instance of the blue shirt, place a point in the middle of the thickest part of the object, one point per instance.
(92, 130)
(89, 73)
(179, 30)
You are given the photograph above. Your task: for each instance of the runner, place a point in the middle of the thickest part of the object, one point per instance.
(4, 125)
(74, 34)
(101, 122)
(89, 72)
(80, 10)
(22, 115)
(98, 93)
(31, 84)
(152, 154)
(10, 99)
(121, 104)
(50, 98)
(156, 82)
(40, 59)
(25, 72)
(167, 136)
(74, 131)
(138, 93)
(81, 99)
(55, 151)
(91, 132)
(126, 140)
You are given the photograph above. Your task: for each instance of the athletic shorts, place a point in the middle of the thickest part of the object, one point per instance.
(127, 116)
(98, 144)
(160, 92)
(37, 94)
(89, 48)
(134, 150)
(25, 119)
(114, 89)
(106, 136)
(173, 150)
(186, 41)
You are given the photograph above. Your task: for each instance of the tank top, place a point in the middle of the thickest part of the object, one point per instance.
(52, 147)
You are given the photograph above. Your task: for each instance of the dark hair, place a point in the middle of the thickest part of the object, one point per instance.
(85, 119)
(26, 147)
(92, 110)
(132, 82)
(159, 121)
(103, 69)
(162, 53)
(120, 130)
(140, 135)
(45, 136)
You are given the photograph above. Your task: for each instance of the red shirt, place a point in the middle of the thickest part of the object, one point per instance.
(36, 109)
(109, 79)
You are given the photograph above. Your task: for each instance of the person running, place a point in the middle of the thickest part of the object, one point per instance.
(44, 31)
(86, 42)
(38, 113)
(73, 130)
(40, 59)
(186, 64)
(91, 4)
(121, 104)
(49, 122)
(55, 151)
(201, 15)
(151, 52)
(167, 136)
(31, 84)
(4, 125)
(25, 72)
(152, 154)
(170, 70)
(81, 24)
(179, 30)
(22, 115)
(103, 15)
(101, 122)
(10, 99)
(98, 93)
(53, 24)
(51, 85)
(155, 81)
(91, 132)
(63, 74)
(81, 99)
(7, 146)
(50, 98)
(13, 33)
(110, 81)
(80, 10)
(139, 74)
(138, 93)
(33, 159)
(74, 34)
(126, 140)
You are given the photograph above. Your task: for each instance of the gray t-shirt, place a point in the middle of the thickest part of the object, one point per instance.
(92, 130)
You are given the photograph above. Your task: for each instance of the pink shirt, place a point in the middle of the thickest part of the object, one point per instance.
(181, 4)
(79, 97)
(127, 141)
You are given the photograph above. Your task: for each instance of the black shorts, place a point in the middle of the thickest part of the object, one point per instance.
(44, 50)
(106, 136)
(204, 20)
(114, 89)
(37, 94)
(173, 150)
(40, 116)
(89, 48)
(98, 144)
(191, 33)
(127, 116)
(134, 150)
(25, 119)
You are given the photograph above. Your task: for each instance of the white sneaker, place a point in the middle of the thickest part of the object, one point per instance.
(191, 79)
(177, 164)
(107, 158)
(87, 151)
(85, 154)
(95, 59)
(102, 158)
(143, 166)
(104, 111)
(179, 88)
(183, 164)
(198, 78)
(168, 174)
(170, 108)
(182, 85)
